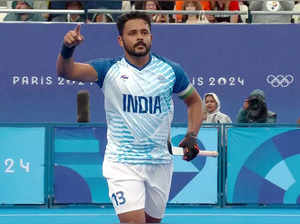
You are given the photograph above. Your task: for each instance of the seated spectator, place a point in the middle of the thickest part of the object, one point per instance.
(255, 109)
(296, 18)
(154, 5)
(102, 18)
(212, 113)
(193, 5)
(71, 5)
(224, 5)
(271, 6)
(205, 5)
(23, 16)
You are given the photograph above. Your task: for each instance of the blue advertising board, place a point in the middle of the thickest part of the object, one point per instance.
(22, 165)
(78, 161)
(263, 166)
(195, 182)
(230, 60)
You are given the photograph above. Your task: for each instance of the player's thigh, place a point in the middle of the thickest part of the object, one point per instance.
(126, 188)
(158, 189)
(126, 195)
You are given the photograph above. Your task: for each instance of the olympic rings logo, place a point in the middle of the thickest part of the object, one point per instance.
(280, 80)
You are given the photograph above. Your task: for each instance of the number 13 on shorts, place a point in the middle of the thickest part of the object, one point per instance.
(118, 198)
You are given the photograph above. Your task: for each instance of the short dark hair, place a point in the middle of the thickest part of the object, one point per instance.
(122, 19)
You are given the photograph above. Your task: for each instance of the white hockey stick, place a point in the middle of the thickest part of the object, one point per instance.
(178, 151)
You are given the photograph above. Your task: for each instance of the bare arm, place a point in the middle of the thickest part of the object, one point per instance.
(189, 143)
(65, 65)
(194, 107)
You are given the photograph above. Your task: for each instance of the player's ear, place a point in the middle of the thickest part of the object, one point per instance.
(120, 40)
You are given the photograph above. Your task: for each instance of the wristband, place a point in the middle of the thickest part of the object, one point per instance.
(67, 52)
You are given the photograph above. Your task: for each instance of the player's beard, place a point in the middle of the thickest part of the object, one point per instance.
(132, 52)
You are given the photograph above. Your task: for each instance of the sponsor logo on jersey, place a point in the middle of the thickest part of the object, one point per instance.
(124, 77)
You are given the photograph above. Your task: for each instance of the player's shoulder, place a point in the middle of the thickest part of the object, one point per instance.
(166, 60)
(176, 67)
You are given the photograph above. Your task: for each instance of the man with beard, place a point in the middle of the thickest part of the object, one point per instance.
(139, 109)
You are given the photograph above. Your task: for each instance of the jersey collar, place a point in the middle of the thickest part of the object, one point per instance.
(140, 68)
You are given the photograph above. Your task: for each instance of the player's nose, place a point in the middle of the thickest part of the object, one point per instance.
(140, 36)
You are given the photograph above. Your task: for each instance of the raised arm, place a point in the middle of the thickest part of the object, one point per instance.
(65, 65)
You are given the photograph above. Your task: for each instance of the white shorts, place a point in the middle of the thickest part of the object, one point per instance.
(134, 187)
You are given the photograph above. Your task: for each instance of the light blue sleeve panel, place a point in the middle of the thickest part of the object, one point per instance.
(182, 81)
(102, 65)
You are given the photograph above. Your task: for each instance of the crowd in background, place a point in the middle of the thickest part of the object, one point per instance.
(155, 5)
(254, 109)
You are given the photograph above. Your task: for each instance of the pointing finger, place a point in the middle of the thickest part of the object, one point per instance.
(77, 29)
(77, 33)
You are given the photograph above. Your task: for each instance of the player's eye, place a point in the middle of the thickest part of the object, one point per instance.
(145, 32)
(132, 32)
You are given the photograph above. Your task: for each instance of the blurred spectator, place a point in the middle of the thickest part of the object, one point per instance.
(212, 113)
(296, 18)
(42, 5)
(244, 8)
(244, 3)
(23, 16)
(205, 5)
(126, 5)
(271, 6)
(161, 5)
(3, 5)
(154, 5)
(71, 5)
(255, 109)
(224, 5)
(193, 5)
(102, 18)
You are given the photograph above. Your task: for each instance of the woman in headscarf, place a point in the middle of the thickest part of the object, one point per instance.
(212, 112)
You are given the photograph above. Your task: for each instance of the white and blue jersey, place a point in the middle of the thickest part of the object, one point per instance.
(139, 107)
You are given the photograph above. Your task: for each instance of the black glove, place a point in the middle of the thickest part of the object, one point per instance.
(190, 142)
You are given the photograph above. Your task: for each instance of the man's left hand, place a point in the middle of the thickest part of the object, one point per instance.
(191, 148)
